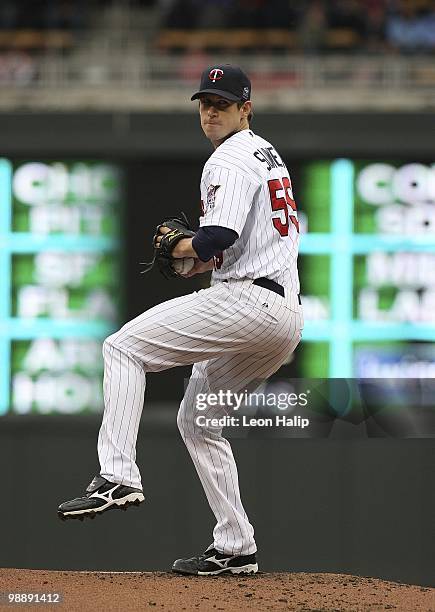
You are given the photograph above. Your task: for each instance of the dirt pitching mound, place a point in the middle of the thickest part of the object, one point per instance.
(165, 591)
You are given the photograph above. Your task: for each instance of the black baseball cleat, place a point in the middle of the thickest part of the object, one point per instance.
(212, 563)
(101, 495)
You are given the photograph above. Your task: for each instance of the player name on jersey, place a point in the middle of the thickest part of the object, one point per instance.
(270, 157)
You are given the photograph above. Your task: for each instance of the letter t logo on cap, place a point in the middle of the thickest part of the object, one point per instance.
(215, 74)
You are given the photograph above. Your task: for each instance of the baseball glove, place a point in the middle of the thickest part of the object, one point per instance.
(163, 259)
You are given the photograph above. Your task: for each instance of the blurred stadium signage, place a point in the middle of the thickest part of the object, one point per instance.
(60, 296)
(368, 267)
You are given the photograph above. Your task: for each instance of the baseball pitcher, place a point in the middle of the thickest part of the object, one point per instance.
(237, 332)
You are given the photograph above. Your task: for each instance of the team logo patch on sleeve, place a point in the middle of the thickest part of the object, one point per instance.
(211, 196)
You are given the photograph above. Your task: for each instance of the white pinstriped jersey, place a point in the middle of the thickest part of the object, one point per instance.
(245, 186)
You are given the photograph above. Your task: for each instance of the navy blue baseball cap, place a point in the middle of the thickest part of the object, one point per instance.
(225, 80)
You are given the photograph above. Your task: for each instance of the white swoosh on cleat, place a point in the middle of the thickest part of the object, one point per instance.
(220, 562)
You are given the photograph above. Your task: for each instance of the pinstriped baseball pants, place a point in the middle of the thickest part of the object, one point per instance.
(233, 333)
